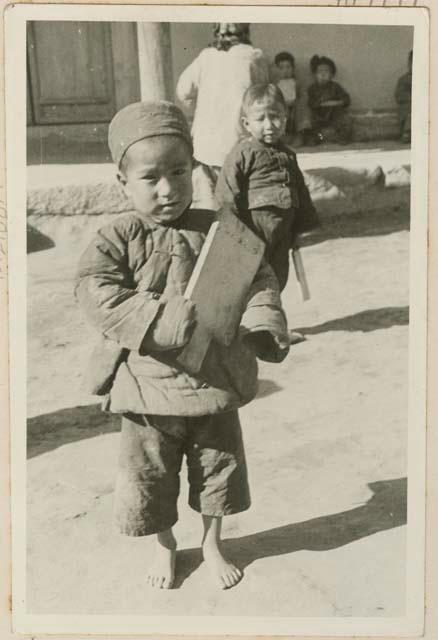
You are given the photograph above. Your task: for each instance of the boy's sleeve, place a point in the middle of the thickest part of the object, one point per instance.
(306, 216)
(231, 180)
(264, 321)
(112, 305)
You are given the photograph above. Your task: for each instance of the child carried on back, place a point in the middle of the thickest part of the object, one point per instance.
(261, 179)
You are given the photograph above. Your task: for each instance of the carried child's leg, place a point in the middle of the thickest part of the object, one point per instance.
(225, 573)
(161, 573)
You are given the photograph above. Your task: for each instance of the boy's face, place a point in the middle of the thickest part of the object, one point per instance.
(286, 69)
(323, 74)
(265, 120)
(158, 177)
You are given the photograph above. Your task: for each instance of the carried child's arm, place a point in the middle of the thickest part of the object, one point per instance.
(230, 184)
(133, 319)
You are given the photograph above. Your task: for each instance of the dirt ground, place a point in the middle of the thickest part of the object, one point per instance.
(325, 441)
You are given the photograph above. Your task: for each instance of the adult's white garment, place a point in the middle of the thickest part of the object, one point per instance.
(215, 82)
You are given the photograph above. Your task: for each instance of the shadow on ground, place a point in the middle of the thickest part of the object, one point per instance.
(52, 430)
(267, 388)
(370, 320)
(37, 241)
(374, 212)
(386, 509)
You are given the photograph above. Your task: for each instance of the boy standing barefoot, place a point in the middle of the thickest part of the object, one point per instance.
(130, 284)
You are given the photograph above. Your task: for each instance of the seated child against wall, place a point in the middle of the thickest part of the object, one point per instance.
(403, 97)
(328, 102)
(130, 284)
(285, 71)
(262, 181)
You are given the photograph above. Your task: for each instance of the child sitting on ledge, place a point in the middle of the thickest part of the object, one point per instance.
(328, 102)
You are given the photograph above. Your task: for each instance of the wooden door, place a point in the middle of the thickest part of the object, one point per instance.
(71, 72)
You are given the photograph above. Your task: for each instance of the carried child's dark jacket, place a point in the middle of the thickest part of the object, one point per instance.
(131, 271)
(256, 176)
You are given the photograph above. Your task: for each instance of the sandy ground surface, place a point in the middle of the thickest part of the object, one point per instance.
(325, 441)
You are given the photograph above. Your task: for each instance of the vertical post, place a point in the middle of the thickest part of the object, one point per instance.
(155, 60)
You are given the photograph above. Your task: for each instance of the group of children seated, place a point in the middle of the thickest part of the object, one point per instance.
(328, 101)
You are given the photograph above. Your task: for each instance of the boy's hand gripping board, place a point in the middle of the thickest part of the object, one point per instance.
(219, 286)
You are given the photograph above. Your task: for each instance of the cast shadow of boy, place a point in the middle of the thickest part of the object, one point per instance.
(386, 509)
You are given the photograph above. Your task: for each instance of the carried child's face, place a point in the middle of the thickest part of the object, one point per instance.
(286, 69)
(323, 74)
(157, 175)
(265, 120)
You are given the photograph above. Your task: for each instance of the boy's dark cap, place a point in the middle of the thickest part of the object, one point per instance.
(145, 120)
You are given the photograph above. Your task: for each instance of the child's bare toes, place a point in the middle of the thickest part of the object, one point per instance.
(231, 576)
(162, 573)
(224, 573)
(166, 583)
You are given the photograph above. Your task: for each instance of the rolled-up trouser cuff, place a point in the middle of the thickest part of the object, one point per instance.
(219, 513)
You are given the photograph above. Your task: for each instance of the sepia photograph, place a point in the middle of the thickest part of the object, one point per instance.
(218, 319)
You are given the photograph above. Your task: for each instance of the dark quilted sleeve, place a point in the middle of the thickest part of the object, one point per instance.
(106, 292)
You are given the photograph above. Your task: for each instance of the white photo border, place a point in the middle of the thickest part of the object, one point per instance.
(15, 18)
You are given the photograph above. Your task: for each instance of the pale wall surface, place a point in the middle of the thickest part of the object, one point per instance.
(369, 58)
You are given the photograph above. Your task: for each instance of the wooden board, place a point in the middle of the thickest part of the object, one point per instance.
(301, 274)
(219, 286)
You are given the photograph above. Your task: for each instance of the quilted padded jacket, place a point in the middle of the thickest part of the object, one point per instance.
(126, 276)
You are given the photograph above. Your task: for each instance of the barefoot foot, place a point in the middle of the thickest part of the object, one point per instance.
(161, 573)
(225, 574)
(295, 337)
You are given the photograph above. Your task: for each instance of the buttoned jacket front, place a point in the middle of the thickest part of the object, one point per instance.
(256, 175)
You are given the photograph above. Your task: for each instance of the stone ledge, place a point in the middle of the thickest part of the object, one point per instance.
(70, 190)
